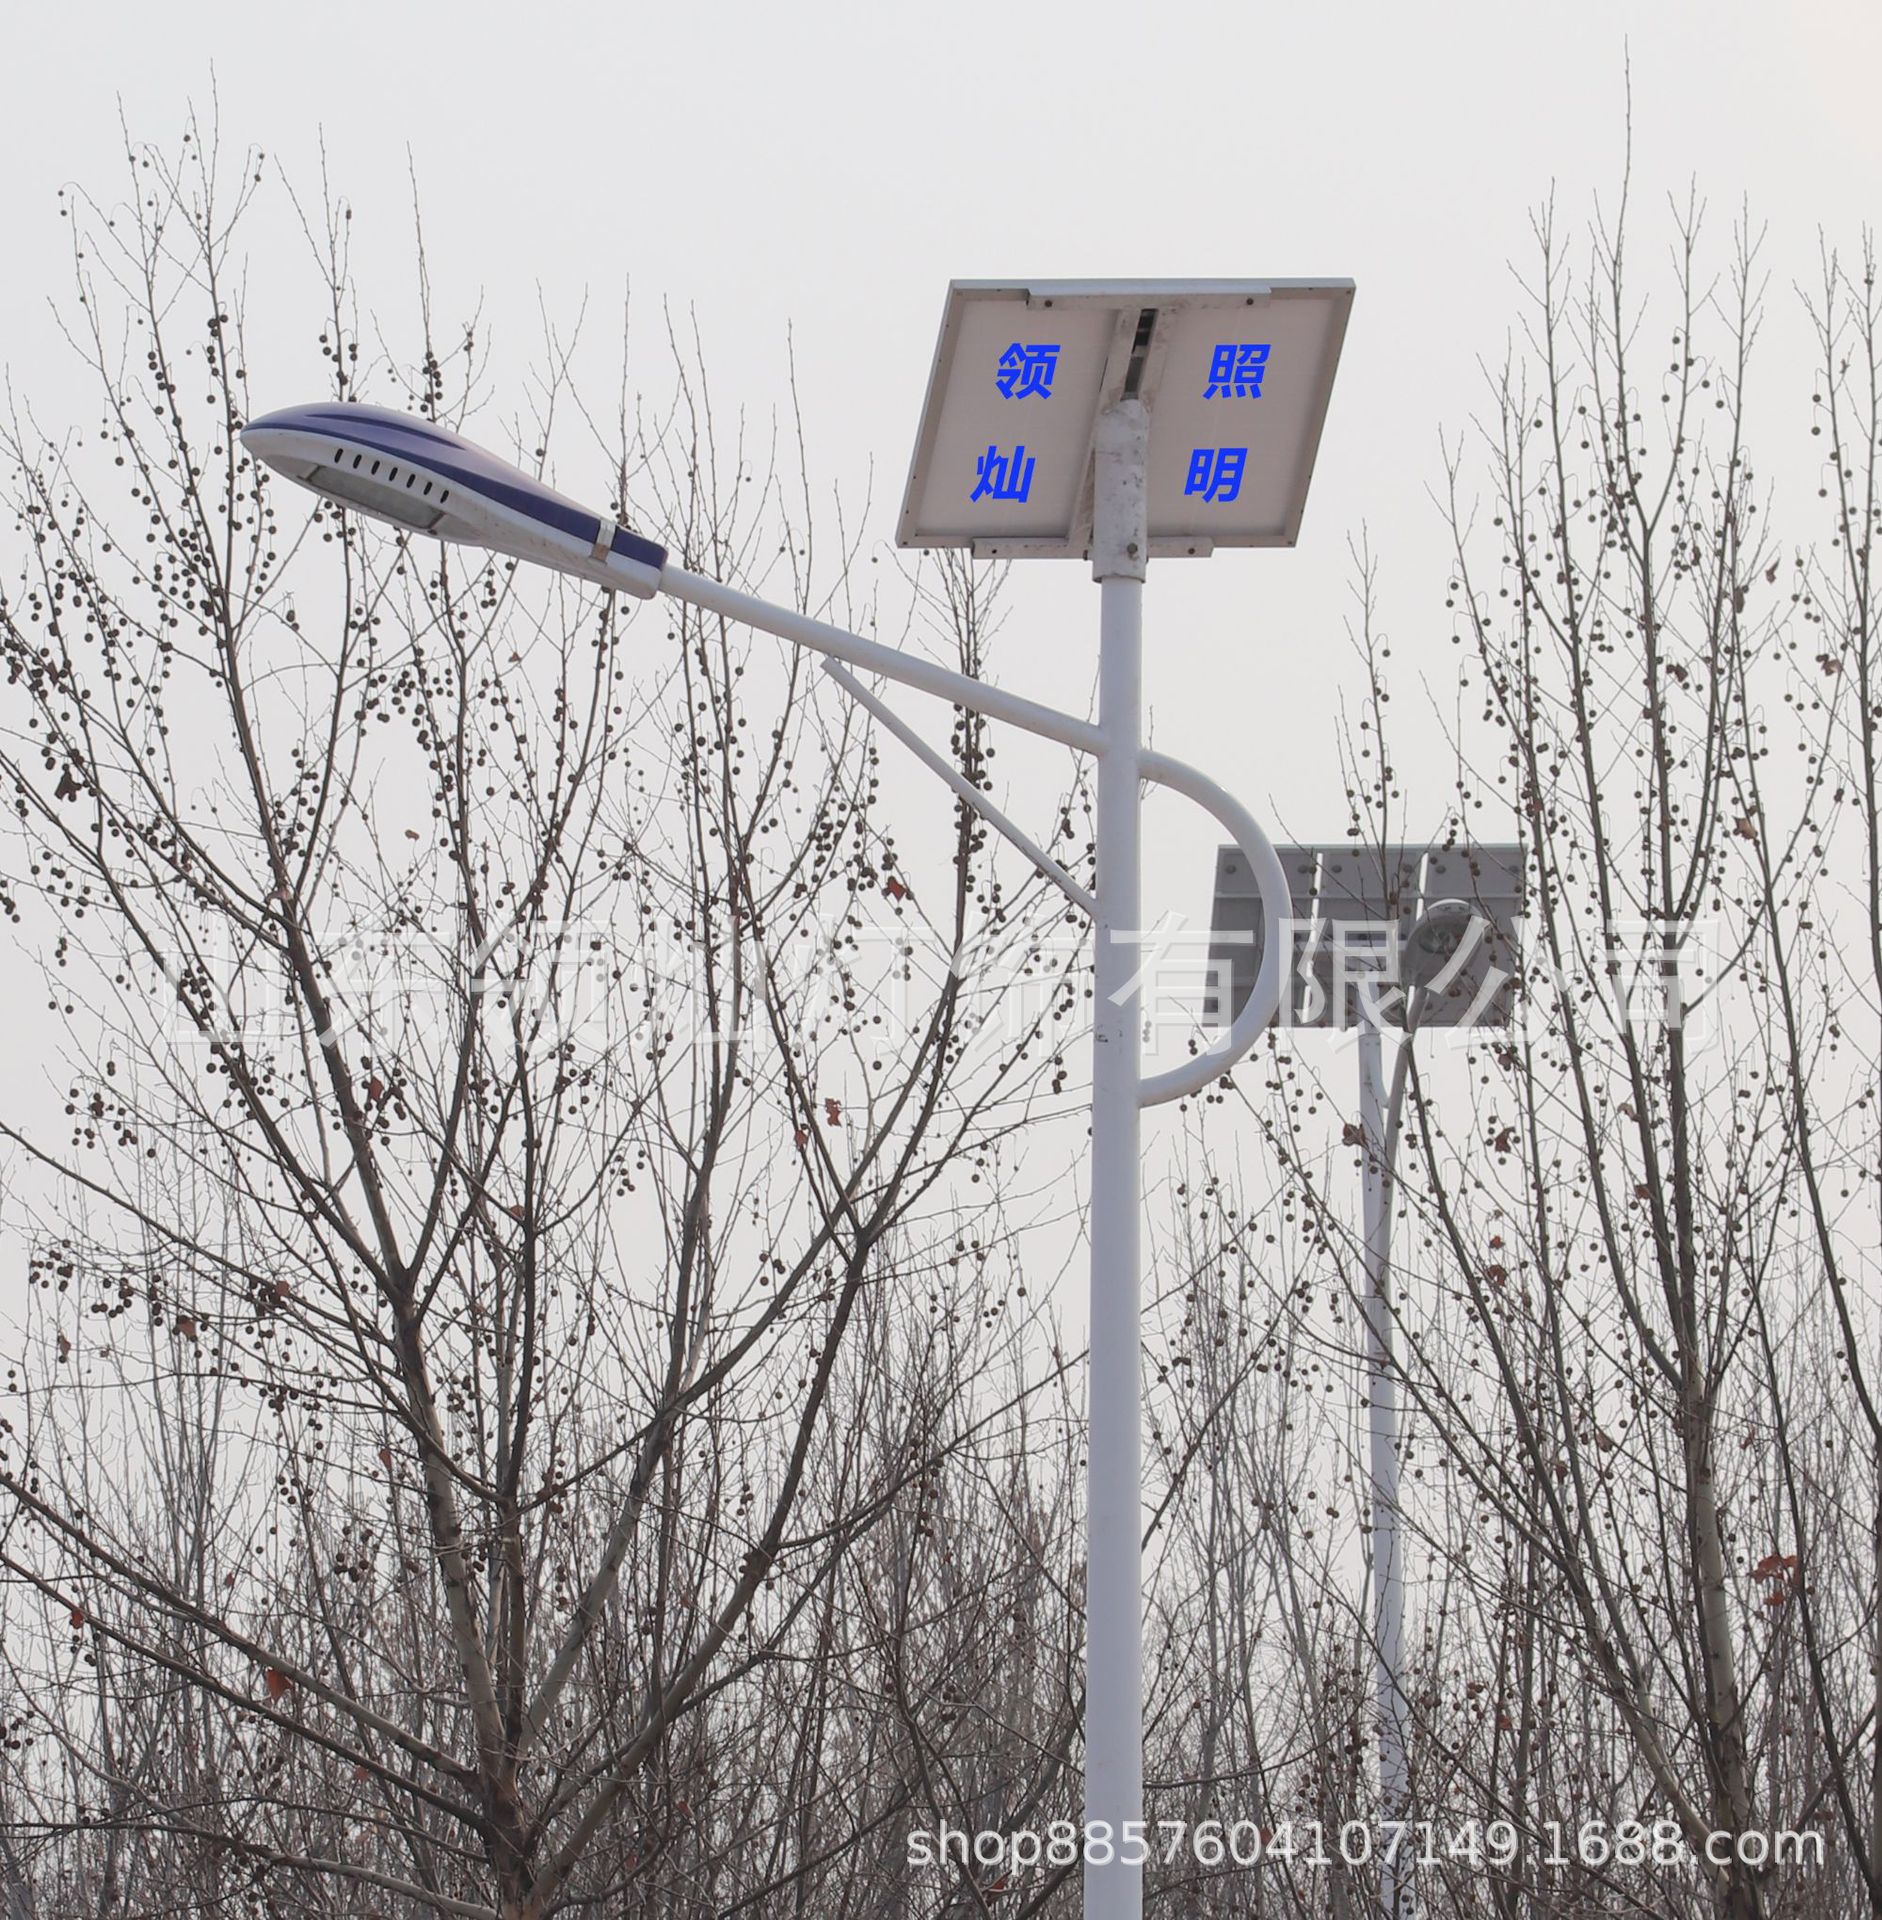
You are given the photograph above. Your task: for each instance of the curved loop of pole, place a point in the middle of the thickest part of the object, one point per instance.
(1264, 999)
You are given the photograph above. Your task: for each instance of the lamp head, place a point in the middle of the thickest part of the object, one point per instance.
(1436, 937)
(425, 479)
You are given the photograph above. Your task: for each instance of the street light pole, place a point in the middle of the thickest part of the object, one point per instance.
(1379, 1121)
(1114, 1744)
(1455, 969)
(1440, 931)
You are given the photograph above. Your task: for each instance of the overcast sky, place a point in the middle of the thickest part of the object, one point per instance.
(827, 168)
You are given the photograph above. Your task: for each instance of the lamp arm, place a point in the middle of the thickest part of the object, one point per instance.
(1387, 1147)
(1401, 1065)
(838, 643)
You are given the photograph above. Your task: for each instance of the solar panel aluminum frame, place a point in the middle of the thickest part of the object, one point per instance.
(1108, 313)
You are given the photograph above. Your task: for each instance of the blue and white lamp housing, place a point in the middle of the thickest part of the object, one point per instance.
(425, 479)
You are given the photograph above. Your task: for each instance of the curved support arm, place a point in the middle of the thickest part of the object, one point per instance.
(837, 645)
(890, 721)
(1264, 1000)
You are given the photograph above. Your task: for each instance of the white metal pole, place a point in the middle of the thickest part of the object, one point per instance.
(1114, 1727)
(1380, 1130)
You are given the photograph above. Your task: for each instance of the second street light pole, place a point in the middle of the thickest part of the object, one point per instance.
(1458, 907)
(1114, 1744)
(1378, 1120)
(1440, 932)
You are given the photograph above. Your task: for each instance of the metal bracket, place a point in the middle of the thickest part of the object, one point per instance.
(887, 717)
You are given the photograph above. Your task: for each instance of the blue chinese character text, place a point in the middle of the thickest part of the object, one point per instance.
(1235, 370)
(1028, 367)
(1001, 476)
(1216, 473)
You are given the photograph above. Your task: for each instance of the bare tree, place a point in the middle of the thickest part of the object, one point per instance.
(1631, 1289)
(524, 1122)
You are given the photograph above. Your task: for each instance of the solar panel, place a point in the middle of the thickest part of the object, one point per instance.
(1357, 913)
